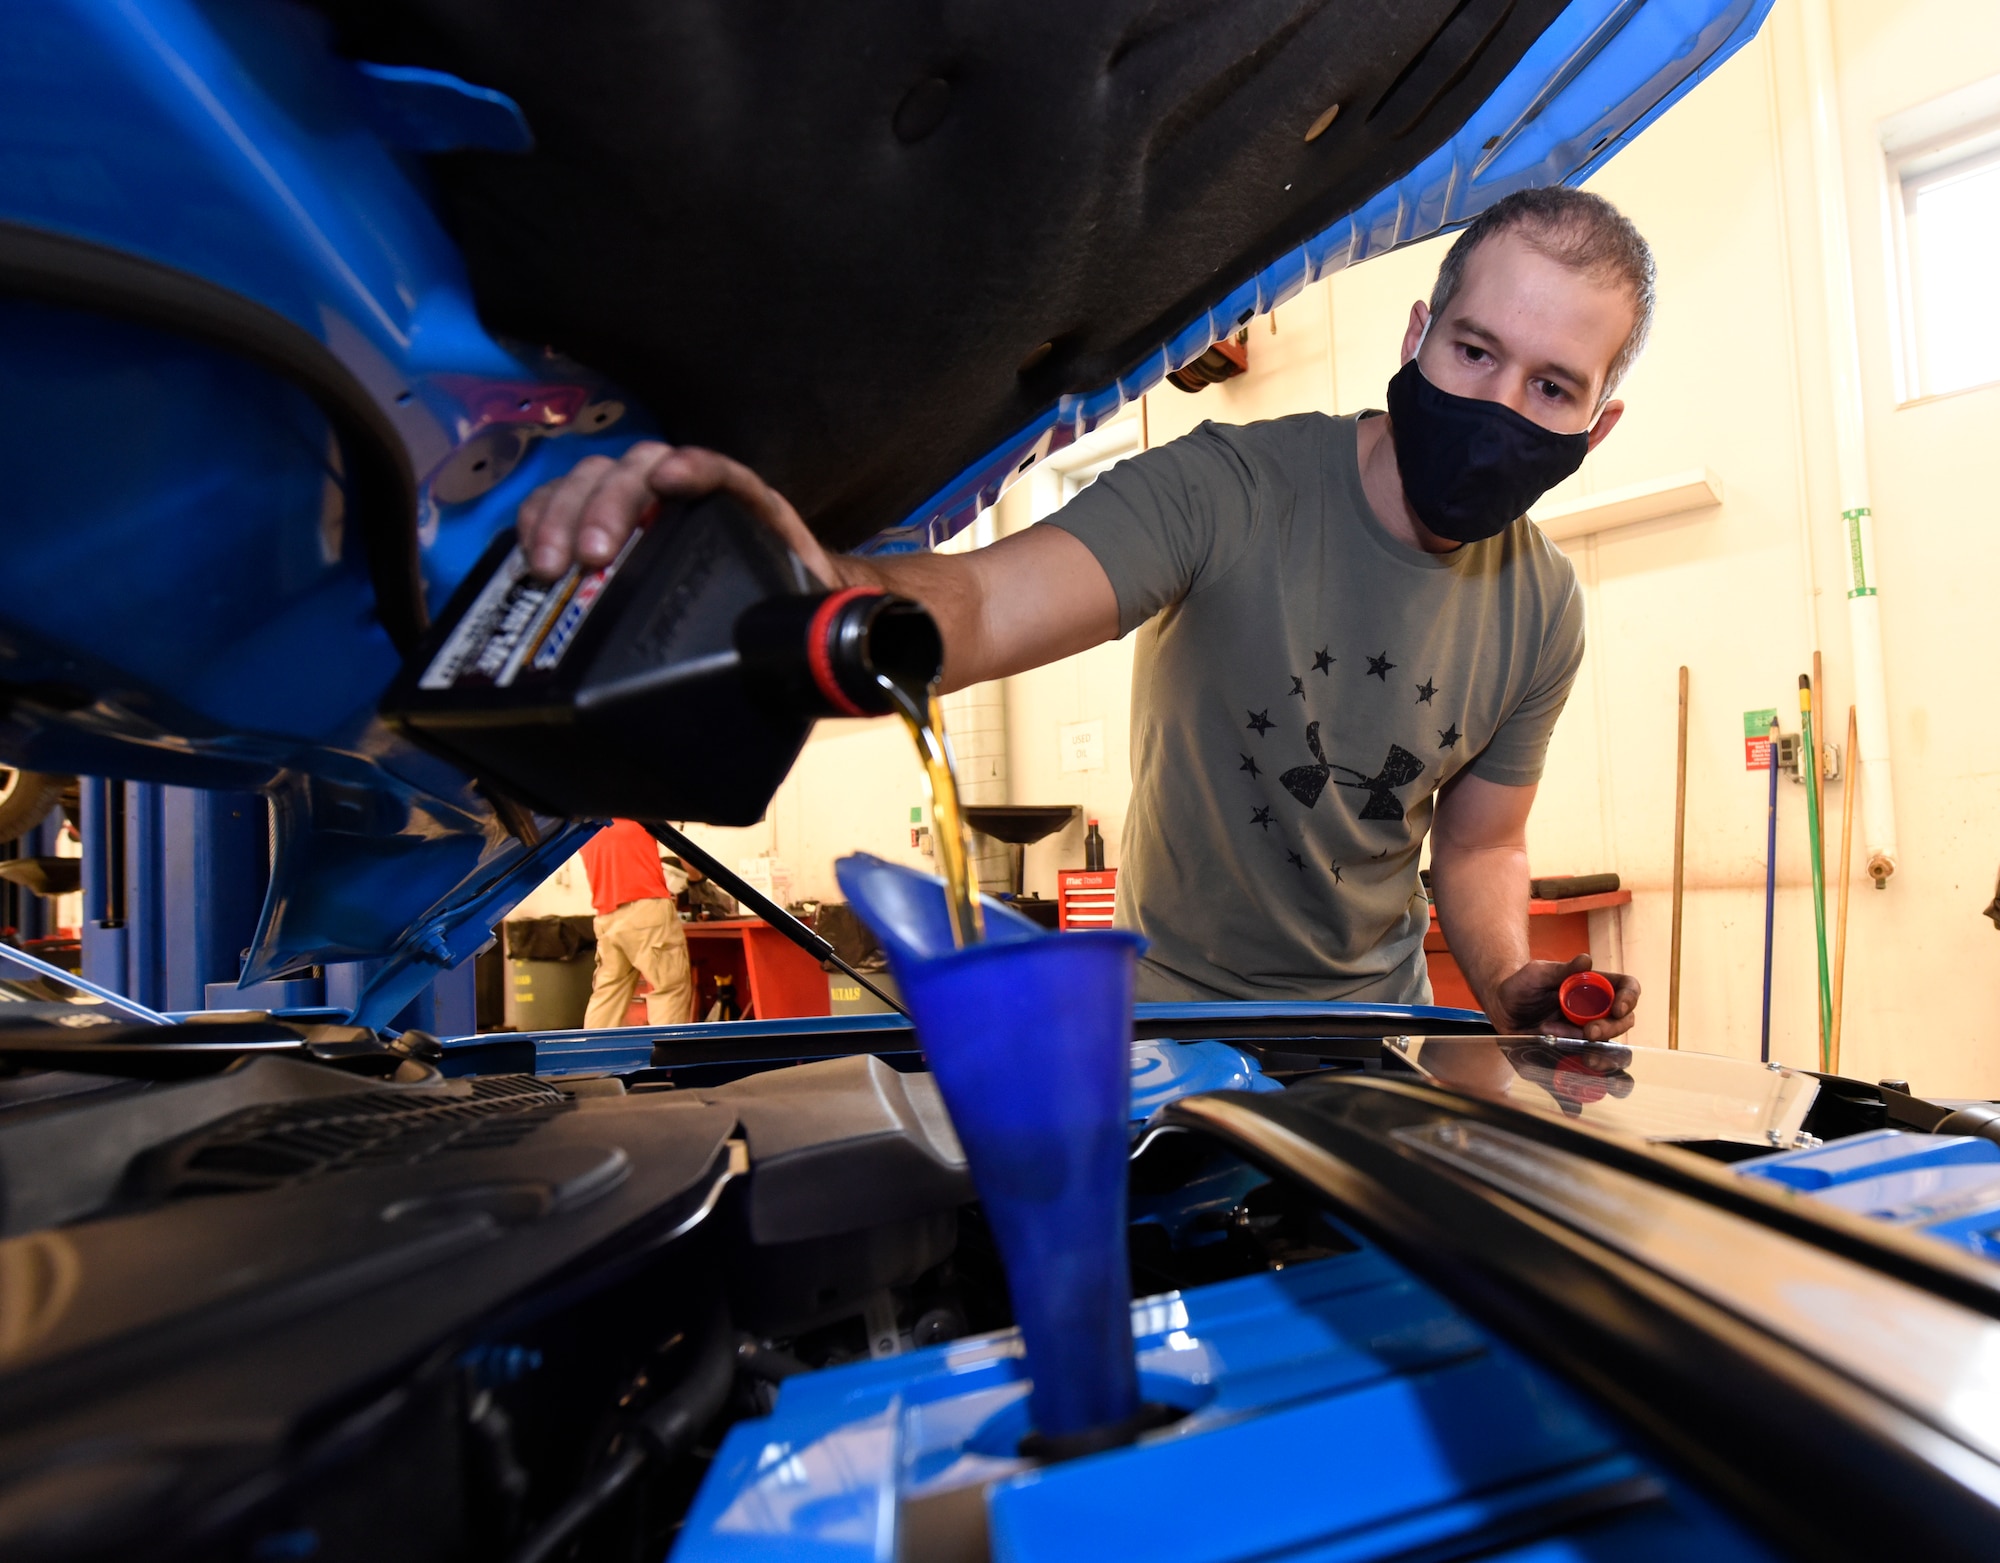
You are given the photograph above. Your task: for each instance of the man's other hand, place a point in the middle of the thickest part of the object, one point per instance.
(1529, 999)
(585, 516)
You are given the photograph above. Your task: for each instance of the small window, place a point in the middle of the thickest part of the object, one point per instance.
(1944, 169)
(1073, 469)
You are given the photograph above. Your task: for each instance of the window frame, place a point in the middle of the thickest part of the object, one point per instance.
(1068, 472)
(1952, 137)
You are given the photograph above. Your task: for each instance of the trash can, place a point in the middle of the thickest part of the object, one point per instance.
(550, 962)
(854, 943)
(848, 997)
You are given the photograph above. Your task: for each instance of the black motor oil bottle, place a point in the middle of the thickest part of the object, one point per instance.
(679, 681)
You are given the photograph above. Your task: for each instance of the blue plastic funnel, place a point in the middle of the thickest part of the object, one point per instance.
(907, 910)
(1029, 1037)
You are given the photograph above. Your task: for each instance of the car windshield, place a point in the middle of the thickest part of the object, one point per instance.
(1645, 1091)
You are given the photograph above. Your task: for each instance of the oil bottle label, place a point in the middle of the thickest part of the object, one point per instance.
(516, 621)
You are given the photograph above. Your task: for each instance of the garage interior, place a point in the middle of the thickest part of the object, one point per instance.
(1707, 534)
(328, 1229)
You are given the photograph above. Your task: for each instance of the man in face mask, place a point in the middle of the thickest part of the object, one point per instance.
(1349, 633)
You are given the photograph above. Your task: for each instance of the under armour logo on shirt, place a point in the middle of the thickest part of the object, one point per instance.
(1399, 769)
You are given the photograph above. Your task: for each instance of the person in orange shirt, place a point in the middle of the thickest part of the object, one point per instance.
(639, 932)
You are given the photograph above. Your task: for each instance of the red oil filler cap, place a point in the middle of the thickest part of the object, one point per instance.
(1586, 996)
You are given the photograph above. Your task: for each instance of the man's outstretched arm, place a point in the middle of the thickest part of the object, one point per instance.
(1032, 598)
(1479, 879)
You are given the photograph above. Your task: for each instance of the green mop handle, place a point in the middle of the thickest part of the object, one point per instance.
(1810, 756)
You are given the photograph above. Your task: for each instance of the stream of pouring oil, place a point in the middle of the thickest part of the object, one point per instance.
(924, 717)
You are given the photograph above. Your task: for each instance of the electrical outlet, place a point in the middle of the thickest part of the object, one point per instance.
(1789, 763)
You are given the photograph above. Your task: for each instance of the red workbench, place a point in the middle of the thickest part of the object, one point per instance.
(774, 977)
(1557, 931)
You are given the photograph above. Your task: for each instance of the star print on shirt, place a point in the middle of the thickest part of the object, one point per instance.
(1298, 686)
(1322, 661)
(1424, 692)
(1337, 879)
(1381, 666)
(1448, 738)
(1296, 861)
(1261, 817)
(1260, 722)
(1249, 765)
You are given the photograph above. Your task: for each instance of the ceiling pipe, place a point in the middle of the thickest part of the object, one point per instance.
(1843, 346)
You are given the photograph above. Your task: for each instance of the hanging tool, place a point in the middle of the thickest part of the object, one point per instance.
(1809, 751)
(1680, 858)
(1819, 756)
(1770, 889)
(763, 906)
(1817, 777)
(1848, 803)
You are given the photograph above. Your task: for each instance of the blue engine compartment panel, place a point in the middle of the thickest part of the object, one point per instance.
(1944, 1185)
(1338, 1409)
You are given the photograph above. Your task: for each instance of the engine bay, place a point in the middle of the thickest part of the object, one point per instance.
(302, 1293)
(273, 1287)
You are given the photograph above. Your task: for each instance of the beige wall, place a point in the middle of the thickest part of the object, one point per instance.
(1736, 381)
(851, 791)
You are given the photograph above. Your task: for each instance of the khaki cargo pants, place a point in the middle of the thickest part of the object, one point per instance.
(641, 939)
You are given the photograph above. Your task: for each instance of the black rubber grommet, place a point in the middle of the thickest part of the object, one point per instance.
(1095, 1440)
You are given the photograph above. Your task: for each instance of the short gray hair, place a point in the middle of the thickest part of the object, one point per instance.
(1573, 228)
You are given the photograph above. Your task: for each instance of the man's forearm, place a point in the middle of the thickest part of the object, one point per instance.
(1479, 878)
(948, 587)
(1482, 902)
(1031, 598)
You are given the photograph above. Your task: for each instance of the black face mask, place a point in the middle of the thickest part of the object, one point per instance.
(1470, 467)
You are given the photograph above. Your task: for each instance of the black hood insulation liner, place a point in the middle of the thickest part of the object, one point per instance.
(859, 247)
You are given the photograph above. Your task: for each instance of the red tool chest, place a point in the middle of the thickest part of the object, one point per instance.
(1086, 897)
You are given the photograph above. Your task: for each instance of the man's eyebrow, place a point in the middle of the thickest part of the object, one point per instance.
(1579, 383)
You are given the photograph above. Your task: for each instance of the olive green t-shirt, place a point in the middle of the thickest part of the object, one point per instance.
(1303, 685)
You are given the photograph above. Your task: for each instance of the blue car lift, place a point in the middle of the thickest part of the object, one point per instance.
(21, 909)
(174, 880)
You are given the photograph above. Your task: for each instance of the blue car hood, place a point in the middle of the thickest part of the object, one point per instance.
(296, 305)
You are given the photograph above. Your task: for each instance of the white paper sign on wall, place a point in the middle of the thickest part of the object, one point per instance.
(1082, 745)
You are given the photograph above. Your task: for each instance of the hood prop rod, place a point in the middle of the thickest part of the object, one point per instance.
(763, 906)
